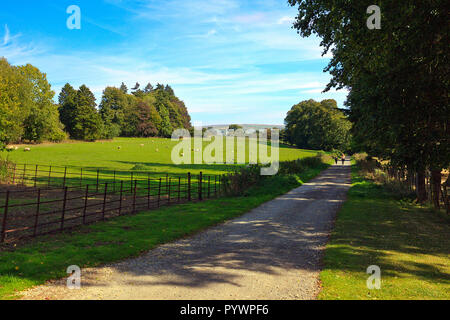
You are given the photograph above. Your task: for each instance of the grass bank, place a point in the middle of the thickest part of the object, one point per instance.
(129, 236)
(410, 244)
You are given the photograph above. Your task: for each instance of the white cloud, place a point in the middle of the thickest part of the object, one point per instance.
(286, 20)
(7, 35)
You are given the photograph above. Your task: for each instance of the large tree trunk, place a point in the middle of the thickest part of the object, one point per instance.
(420, 187)
(436, 187)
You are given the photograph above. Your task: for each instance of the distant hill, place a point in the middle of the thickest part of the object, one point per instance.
(245, 126)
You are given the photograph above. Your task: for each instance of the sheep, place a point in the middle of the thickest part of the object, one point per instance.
(157, 150)
(142, 144)
(26, 149)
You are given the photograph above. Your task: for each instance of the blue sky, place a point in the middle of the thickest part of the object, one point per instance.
(230, 61)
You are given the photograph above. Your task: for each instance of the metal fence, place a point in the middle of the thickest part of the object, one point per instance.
(48, 208)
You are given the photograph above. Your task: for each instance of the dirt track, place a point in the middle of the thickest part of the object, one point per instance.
(272, 252)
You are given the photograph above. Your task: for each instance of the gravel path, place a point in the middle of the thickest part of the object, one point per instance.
(272, 252)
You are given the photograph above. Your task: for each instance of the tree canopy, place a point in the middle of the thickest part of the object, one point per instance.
(397, 75)
(317, 125)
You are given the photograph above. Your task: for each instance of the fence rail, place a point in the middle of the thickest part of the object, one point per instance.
(47, 208)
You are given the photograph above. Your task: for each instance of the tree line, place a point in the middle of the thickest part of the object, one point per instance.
(397, 76)
(29, 113)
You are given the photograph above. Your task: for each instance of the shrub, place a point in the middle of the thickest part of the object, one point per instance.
(5, 170)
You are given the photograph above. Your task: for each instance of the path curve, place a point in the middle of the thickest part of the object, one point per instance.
(272, 252)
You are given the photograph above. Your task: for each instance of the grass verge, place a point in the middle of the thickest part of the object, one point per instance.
(128, 236)
(410, 244)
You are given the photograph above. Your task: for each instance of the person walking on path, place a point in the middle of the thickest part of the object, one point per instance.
(343, 159)
(335, 159)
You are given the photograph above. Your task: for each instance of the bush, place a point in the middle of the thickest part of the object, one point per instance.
(5, 170)
(238, 182)
(300, 165)
(243, 178)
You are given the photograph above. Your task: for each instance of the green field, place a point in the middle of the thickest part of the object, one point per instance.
(408, 242)
(154, 156)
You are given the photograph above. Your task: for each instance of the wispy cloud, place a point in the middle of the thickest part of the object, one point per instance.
(229, 60)
(6, 36)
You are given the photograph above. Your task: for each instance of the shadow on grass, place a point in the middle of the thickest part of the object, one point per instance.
(375, 228)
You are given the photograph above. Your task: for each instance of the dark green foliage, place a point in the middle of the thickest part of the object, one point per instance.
(244, 177)
(319, 126)
(88, 124)
(234, 127)
(397, 75)
(111, 110)
(67, 107)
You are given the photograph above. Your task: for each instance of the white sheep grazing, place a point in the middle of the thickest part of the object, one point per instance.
(142, 144)
(157, 150)
(27, 149)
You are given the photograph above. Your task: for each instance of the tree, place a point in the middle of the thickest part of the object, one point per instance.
(234, 127)
(124, 88)
(14, 103)
(67, 107)
(169, 90)
(147, 114)
(88, 123)
(148, 88)
(42, 122)
(397, 77)
(319, 126)
(111, 110)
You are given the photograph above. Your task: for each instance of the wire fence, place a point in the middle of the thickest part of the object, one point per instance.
(64, 200)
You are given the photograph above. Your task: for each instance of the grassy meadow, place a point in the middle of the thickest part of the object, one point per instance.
(408, 242)
(149, 155)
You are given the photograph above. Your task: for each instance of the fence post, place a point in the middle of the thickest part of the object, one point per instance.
(148, 192)
(215, 186)
(65, 174)
(189, 186)
(98, 173)
(35, 176)
(179, 188)
(24, 170)
(86, 195)
(5, 216)
(49, 176)
(168, 192)
(114, 185)
(121, 196)
(14, 174)
(131, 182)
(134, 196)
(209, 187)
(38, 207)
(104, 201)
(159, 192)
(200, 177)
(64, 209)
